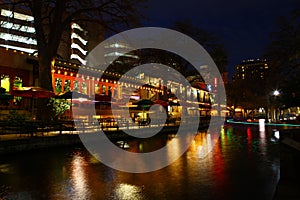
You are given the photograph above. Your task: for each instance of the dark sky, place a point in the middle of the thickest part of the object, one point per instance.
(243, 25)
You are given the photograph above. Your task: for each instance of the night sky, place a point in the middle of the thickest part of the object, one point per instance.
(243, 25)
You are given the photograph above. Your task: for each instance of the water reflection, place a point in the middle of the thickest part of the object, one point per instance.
(244, 163)
(80, 188)
(126, 191)
(202, 144)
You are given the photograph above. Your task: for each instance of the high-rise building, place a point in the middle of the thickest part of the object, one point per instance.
(251, 70)
(17, 31)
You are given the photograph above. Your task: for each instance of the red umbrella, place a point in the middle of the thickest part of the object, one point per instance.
(161, 102)
(32, 92)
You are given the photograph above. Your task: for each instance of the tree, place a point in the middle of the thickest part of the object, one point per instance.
(284, 55)
(245, 93)
(53, 17)
(210, 42)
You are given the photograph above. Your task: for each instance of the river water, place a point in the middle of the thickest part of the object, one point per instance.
(244, 164)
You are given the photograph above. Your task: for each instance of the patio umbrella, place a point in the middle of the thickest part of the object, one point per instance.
(72, 95)
(145, 103)
(6, 96)
(32, 92)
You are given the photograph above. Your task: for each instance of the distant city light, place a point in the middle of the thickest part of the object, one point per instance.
(276, 134)
(209, 87)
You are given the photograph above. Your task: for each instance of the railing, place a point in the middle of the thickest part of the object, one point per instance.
(38, 128)
(34, 127)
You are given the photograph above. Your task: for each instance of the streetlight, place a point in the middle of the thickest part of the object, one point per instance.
(275, 93)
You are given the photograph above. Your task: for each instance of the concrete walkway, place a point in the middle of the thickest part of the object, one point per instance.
(288, 187)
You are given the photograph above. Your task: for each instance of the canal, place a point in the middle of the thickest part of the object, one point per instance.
(244, 164)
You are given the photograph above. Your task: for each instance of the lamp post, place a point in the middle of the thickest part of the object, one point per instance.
(275, 93)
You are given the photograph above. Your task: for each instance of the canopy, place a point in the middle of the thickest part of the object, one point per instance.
(161, 102)
(32, 92)
(72, 95)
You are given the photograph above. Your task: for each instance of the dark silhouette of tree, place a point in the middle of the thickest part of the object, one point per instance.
(210, 42)
(284, 55)
(248, 94)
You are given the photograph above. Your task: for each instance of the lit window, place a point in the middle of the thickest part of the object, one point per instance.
(75, 35)
(58, 85)
(121, 54)
(75, 56)
(76, 86)
(17, 82)
(17, 38)
(76, 46)
(19, 27)
(84, 88)
(74, 25)
(5, 82)
(103, 89)
(67, 86)
(97, 89)
(15, 15)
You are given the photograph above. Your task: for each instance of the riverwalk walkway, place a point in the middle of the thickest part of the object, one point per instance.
(19, 132)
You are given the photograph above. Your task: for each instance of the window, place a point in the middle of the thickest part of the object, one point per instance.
(84, 88)
(67, 86)
(15, 15)
(109, 91)
(18, 27)
(58, 85)
(97, 89)
(17, 82)
(5, 82)
(76, 86)
(103, 89)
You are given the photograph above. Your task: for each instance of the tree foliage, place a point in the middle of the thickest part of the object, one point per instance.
(210, 42)
(249, 94)
(284, 55)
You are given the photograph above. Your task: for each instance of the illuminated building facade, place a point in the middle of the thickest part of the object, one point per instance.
(251, 70)
(19, 67)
